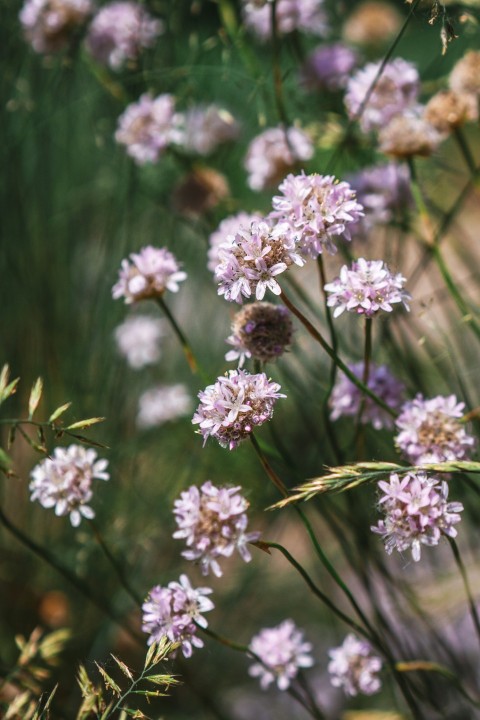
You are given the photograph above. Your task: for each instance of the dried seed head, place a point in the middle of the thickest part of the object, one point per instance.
(465, 76)
(409, 135)
(260, 330)
(372, 23)
(449, 109)
(201, 190)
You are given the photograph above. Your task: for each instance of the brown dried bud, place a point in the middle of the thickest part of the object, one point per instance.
(406, 136)
(202, 190)
(372, 23)
(260, 330)
(449, 109)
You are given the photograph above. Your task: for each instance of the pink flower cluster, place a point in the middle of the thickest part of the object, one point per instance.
(162, 404)
(207, 127)
(417, 512)
(354, 667)
(282, 651)
(49, 24)
(384, 192)
(151, 272)
(173, 612)
(225, 234)
(138, 340)
(314, 209)
(120, 31)
(303, 15)
(234, 406)
(430, 430)
(328, 67)
(213, 521)
(64, 481)
(366, 288)
(274, 153)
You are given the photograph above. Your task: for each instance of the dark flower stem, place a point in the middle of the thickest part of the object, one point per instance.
(465, 150)
(468, 591)
(329, 350)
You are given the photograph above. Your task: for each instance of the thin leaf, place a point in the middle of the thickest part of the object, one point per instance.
(123, 667)
(5, 460)
(88, 441)
(35, 395)
(59, 411)
(81, 424)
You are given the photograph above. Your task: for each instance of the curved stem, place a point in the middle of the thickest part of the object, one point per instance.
(427, 666)
(188, 352)
(115, 565)
(465, 150)
(463, 572)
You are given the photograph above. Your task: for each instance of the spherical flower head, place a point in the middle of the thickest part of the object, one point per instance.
(249, 265)
(225, 234)
(409, 135)
(260, 330)
(274, 153)
(49, 25)
(282, 651)
(366, 288)
(384, 192)
(328, 67)
(234, 406)
(64, 481)
(207, 127)
(372, 23)
(417, 512)
(120, 31)
(304, 15)
(431, 431)
(200, 191)
(148, 127)
(138, 340)
(347, 400)
(150, 273)
(173, 612)
(354, 667)
(394, 92)
(448, 110)
(315, 209)
(465, 76)
(213, 522)
(162, 404)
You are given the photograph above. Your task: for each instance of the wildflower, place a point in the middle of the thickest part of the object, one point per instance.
(315, 209)
(213, 521)
(282, 651)
(148, 127)
(225, 233)
(162, 404)
(64, 481)
(408, 135)
(200, 191)
(303, 15)
(366, 288)
(372, 23)
(260, 330)
(274, 153)
(347, 399)
(395, 91)
(448, 109)
(234, 406)
(329, 67)
(120, 31)
(465, 76)
(250, 264)
(431, 431)
(138, 340)
(207, 127)
(49, 24)
(151, 272)
(384, 193)
(173, 612)
(354, 667)
(417, 512)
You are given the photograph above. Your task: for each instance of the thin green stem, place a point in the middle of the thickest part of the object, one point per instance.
(115, 565)
(465, 150)
(468, 591)
(188, 352)
(268, 468)
(277, 72)
(427, 666)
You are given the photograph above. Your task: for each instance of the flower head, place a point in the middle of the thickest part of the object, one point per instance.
(304, 15)
(213, 522)
(465, 76)
(366, 288)
(234, 406)
(120, 31)
(347, 399)
(64, 481)
(394, 92)
(207, 127)
(315, 209)
(151, 272)
(274, 153)
(282, 651)
(449, 109)
(173, 612)
(148, 127)
(260, 330)
(250, 263)
(225, 234)
(49, 24)
(384, 192)
(417, 512)
(409, 135)
(138, 340)
(430, 430)
(354, 667)
(162, 404)
(329, 67)
(372, 23)
(199, 191)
